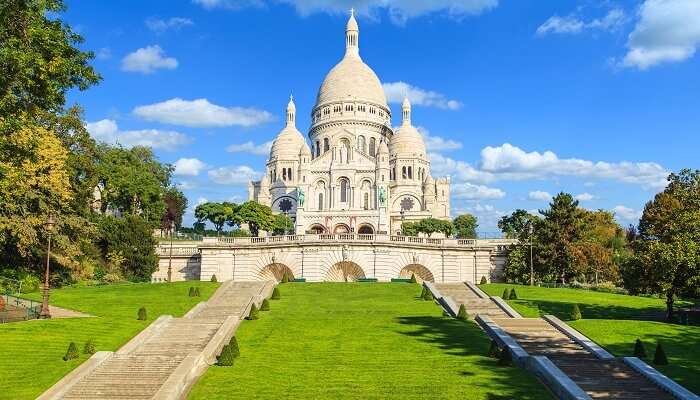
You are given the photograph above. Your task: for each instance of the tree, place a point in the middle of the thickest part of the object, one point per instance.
(466, 225)
(216, 213)
(132, 238)
(175, 206)
(429, 226)
(282, 224)
(563, 226)
(256, 215)
(409, 229)
(667, 252)
(517, 225)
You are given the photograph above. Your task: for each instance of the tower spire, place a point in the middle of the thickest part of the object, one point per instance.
(406, 110)
(352, 35)
(291, 112)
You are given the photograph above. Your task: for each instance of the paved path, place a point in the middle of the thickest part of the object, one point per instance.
(164, 360)
(461, 294)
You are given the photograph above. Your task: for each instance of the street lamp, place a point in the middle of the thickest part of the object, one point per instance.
(531, 230)
(402, 212)
(286, 217)
(45, 312)
(170, 256)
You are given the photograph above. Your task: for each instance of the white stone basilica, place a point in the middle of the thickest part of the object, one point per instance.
(359, 175)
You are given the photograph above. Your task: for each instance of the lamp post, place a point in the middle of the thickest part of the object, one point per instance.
(286, 217)
(531, 230)
(402, 212)
(45, 312)
(170, 256)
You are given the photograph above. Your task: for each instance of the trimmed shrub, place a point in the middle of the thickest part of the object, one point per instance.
(233, 345)
(504, 357)
(142, 314)
(639, 350)
(253, 314)
(513, 295)
(422, 292)
(196, 292)
(575, 313)
(506, 294)
(191, 292)
(494, 350)
(226, 357)
(72, 352)
(89, 347)
(428, 295)
(660, 355)
(483, 280)
(285, 278)
(213, 278)
(462, 313)
(276, 295)
(413, 278)
(265, 306)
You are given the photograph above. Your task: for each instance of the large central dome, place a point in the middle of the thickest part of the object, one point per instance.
(351, 79)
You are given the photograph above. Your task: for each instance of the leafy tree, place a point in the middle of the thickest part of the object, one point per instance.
(132, 238)
(409, 229)
(563, 226)
(216, 213)
(517, 225)
(282, 224)
(175, 206)
(429, 226)
(465, 225)
(517, 268)
(256, 215)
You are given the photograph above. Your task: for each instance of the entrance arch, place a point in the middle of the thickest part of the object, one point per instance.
(421, 272)
(341, 228)
(344, 271)
(275, 272)
(365, 229)
(317, 229)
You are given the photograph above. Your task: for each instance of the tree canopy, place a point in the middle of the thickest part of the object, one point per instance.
(465, 226)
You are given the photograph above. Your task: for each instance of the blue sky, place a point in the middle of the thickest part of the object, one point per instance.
(518, 99)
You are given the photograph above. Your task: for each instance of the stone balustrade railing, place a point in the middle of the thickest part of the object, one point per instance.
(177, 250)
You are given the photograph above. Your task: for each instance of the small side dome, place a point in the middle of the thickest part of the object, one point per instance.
(289, 141)
(383, 148)
(305, 150)
(407, 141)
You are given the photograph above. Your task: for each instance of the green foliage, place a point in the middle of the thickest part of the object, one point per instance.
(575, 313)
(196, 292)
(558, 235)
(504, 357)
(265, 306)
(494, 350)
(276, 295)
(428, 295)
(213, 278)
(233, 345)
(428, 226)
(517, 225)
(513, 295)
(89, 347)
(175, 206)
(422, 292)
(191, 292)
(462, 313)
(506, 294)
(639, 350)
(282, 224)
(409, 229)
(132, 238)
(256, 215)
(660, 355)
(413, 278)
(72, 352)
(483, 280)
(254, 313)
(465, 226)
(517, 268)
(285, 278)
(216, 213)
(226, 357)
(142, 314)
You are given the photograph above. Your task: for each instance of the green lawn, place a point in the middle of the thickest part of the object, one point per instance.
(611, 320)
(31, 351)
(362, 341)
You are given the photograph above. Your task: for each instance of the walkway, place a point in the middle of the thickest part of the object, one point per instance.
(164, 360)
(473, 302)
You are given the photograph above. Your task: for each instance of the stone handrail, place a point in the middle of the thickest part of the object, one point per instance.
(352, 237)
(164, 250)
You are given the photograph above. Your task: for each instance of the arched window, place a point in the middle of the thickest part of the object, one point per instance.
(372, 145)
(320, 201)
(289, 174)
(326, 144)
(410, 172)
(365, 201)
(284, 174)
(318, 148)
(404, 174)
(362, 144)
(344, 189)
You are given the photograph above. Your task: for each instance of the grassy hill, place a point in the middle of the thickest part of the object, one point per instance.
(362, 341)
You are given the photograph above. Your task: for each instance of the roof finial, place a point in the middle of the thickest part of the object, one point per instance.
(352, 34)
(352, 12)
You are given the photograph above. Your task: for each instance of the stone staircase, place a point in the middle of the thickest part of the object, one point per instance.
(462, 294)
(170, 349)
(600, 378)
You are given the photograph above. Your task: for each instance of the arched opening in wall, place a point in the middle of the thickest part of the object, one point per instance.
(366, 229)
(344, 271)
(372, 146)
(421, 272)
(341, 228)
(275, 272)
(344, 190)
(316, 229)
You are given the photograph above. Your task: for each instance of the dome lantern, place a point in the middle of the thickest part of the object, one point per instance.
(352, 35)
(291, 112)
(406, 111)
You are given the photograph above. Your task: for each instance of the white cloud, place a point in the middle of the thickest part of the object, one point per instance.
(437, 143)
(468, 191)
(460, 171)
(395, 92)
(614, 19)
(626, 214)
(104, 53)
(262, 149)
(188, 167)
(159, 25)
(235, 175)
(201, 113)
(539, 195)
(667, 31)
(107, 131)
(399, 11)
(584, 197)
(147, 60)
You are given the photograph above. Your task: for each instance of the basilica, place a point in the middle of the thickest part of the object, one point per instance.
(357, 174)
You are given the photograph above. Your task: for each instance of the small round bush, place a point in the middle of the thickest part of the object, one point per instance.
(428, 295)
(253, 314)
(89, 347)
(233, 345)
(575, 313)
(462, 313)
(226, 357)
(413, 278)
(265, 306)
(213, 278)
(72, 352)
(142, 314)
(660, 355)
(276, 295)
(504, 357)
(506, 294)
(191, 292)
(483, 280)
(285, 278)
(513, 295)
(639, 350)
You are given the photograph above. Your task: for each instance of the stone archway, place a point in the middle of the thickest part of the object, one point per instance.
(275, 272)
(344, 271)
(341, 228)
(420, 271)
(365, 229)
(316, 229)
